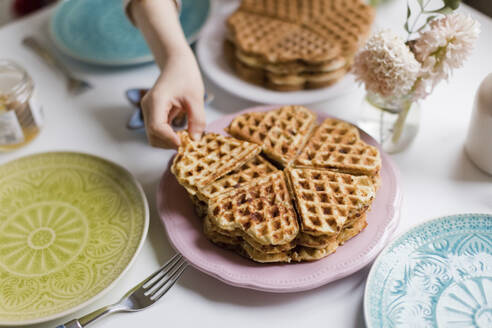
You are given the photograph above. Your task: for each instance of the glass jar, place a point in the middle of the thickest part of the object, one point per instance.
(394, 123)
(20, 117)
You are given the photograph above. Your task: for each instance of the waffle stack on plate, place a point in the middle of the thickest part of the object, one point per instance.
(290, 45)
(308, 195)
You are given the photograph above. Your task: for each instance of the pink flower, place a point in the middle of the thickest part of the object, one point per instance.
(442, 48)
(386, 65)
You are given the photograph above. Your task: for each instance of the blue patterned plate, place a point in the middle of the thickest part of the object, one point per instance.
(438, 274)
(98, 32)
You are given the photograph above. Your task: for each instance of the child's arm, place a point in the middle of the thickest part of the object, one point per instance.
(179, 87)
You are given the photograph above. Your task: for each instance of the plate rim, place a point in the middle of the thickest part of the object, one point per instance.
(108, 288)
(412, 229)
(304, 96)
(393, 222)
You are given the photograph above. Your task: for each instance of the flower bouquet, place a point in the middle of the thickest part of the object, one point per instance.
(399, 73)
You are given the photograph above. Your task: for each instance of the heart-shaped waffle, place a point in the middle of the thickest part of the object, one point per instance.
(336, 145)
(255, 168)
(326, 200)
(343, 23)
(282, 133)
(199, 163)
(261, 209)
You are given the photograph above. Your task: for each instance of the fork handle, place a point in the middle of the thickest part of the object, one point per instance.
(91, 317)
(45, 55)
(71, 324)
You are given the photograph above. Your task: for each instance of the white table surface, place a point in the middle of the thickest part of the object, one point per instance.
(437, 179)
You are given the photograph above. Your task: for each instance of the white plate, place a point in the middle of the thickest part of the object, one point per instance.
(213, 63)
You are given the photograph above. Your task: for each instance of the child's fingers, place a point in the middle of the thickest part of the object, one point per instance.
(196, 118)
(163, 136)
(156, 116)
(158, 142)
(173, 113)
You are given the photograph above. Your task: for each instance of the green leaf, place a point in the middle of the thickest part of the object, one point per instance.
(421, 4)
(406, 27)
(444, 11)
(430, 18)
(452, 4)
(408, 11)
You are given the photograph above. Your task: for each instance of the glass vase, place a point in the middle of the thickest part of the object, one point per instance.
(394, 123)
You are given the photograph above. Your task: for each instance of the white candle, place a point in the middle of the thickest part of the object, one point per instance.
(479, 141)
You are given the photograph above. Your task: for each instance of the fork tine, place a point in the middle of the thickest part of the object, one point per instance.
(151, 288)
(153, 276)
(171, 261)
(169, 282)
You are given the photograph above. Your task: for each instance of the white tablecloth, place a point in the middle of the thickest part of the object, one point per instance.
(437, 179)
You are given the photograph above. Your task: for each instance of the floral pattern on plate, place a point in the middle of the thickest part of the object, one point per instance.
(439, 274)
(70, 224)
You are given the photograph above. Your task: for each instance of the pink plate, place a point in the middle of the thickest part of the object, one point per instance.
(185, 233)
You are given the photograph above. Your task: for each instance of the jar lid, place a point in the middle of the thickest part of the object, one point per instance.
(14, 80)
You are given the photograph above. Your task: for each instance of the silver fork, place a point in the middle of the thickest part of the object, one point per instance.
(139, 297)
(74, 84)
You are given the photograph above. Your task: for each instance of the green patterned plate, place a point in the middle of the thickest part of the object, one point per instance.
(70, 225)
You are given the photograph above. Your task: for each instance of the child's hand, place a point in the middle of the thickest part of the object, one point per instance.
(178, 89)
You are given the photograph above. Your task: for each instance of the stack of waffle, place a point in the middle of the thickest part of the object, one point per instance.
(295, 44)
(312, 197)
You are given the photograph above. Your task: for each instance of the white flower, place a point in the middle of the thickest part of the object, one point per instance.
(442, 48)
(386, 65)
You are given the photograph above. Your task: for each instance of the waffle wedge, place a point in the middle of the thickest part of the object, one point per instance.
(261, 209)
(199, 205)
(255, 168)
(341, 22)
(344, 22)
(252, 253)
(307, 240)
(352, 227)
(325, 200)
(352, 230)
(336, 145)
(199, 163)
(268, 249)
(222, 237)
(217, 237)
(282, 133)
(306, 254)
(276, 41)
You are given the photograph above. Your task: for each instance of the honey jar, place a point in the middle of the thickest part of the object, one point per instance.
(20, 116)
